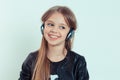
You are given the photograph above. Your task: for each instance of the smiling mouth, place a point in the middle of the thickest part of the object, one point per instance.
(51, 36)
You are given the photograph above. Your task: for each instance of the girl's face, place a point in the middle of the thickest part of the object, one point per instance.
(56, 29)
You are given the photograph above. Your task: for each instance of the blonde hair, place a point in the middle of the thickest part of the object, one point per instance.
(42, 67)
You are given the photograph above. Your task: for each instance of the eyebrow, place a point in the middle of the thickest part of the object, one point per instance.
(63, 24)
(49, 21)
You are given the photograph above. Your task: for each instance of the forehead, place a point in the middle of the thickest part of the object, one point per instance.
(57, 18)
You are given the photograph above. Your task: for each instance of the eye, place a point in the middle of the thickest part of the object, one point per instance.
(61, 27)
(50, 24)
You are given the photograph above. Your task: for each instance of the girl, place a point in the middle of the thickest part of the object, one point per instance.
(55, 60)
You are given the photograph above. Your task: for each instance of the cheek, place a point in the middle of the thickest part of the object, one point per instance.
(64, 34)
(46, 31)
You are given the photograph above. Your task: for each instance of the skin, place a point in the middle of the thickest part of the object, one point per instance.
(55, 32)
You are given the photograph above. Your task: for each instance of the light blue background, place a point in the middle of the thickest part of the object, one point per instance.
(97, 37)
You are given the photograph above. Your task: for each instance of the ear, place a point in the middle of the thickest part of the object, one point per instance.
(42, 28)
(70, 34)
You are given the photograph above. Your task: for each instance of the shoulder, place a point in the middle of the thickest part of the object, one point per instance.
(31, 58)
(80, 66)
(28, 66)
(33, 55)
(30, 61)
(76, 56)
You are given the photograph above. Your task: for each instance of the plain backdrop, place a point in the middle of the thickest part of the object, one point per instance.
(97, 36)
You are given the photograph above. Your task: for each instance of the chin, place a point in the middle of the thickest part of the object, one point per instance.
(56, 43)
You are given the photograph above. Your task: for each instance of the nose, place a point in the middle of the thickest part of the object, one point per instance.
(54, 29)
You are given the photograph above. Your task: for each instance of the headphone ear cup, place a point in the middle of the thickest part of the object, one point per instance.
(70, 34)
(42, 28)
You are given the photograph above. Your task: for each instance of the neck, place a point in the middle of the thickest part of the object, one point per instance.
(56, 53)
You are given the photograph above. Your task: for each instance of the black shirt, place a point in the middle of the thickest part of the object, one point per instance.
(72, 67)
(54, 67)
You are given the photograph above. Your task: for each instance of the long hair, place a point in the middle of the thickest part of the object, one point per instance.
(42, 67)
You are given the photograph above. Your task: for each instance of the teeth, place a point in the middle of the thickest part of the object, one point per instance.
(53, 36)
